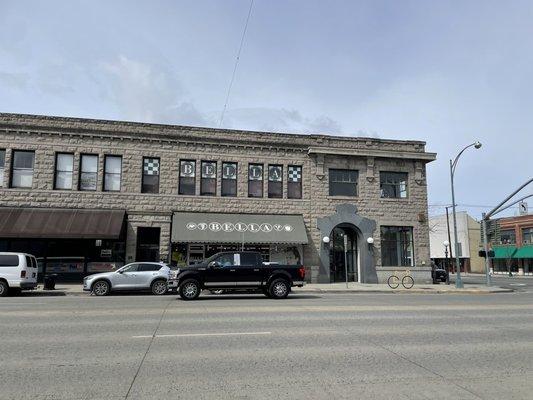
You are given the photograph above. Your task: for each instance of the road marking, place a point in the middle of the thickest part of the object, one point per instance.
(204, 334)
(517, 284)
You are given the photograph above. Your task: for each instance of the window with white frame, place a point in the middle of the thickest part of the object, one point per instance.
(22, 170)
(88, 171)
(112, 173)
(64, 168)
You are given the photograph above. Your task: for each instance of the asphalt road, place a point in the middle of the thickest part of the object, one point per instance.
(336, 346)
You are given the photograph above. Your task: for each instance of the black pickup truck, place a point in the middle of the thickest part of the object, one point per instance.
(237, 270)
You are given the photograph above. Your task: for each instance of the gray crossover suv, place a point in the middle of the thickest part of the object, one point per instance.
(135, 276)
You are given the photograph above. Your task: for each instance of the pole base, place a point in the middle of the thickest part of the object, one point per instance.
(459, 283)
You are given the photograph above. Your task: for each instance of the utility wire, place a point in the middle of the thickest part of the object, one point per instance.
(236, 63)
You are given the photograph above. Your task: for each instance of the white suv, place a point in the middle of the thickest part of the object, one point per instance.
(18, 271)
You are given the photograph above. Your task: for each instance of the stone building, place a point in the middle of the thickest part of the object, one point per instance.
(88, 195)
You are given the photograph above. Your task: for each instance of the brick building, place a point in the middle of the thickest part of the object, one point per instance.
(88, 195)
(513, 245)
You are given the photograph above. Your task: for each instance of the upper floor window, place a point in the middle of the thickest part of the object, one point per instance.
(112, 173)
(255, 180)
(208, 182)
(88, 171)
(393, 185)
(275, 181)
(508, 236)
(63, 173)
(187, 184)
(397, 246)
(343, 182)
(229, 179)
(2, 163)
(22, 170)
(527, 235)
(150, 180)
(294, 182)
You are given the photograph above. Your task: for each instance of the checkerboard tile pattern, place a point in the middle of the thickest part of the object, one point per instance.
(295, 173)
(151, 166)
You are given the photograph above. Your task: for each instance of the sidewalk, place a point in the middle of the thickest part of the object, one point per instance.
(353, 287)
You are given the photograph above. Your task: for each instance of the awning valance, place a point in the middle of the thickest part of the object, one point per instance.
(238, 228)
(60, 223)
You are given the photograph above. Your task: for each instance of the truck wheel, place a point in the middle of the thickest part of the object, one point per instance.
(101, 288)
(190, 289)
(159, 287)
(4, 289)
(279, 289)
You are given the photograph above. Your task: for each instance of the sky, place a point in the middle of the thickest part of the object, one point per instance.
(445, 72)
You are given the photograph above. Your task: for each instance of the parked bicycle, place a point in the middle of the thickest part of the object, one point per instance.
(407, 280)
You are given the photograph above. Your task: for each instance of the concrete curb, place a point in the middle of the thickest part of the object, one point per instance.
(406, 291)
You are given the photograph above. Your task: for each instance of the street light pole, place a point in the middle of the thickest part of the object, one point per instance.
(453, 165)
(446, 244)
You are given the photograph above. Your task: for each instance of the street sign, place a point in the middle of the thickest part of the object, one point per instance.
(522, 208)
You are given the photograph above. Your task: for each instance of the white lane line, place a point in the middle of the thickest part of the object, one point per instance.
(204, 334)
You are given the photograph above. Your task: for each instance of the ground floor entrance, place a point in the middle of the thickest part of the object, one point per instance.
(343, 254)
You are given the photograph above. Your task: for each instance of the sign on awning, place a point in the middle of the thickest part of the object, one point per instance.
(238, 228)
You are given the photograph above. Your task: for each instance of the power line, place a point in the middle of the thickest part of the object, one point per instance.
(236, 63)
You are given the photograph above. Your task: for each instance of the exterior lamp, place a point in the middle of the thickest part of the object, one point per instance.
(453, 165)
(325, 239)
(446, 243)
(370, 240)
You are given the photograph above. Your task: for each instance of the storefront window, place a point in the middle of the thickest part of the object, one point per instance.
(229, 179)
(208, 183)
(2, 163)
(22, 173)
(527, 235)
(508, 237)
(150, 181)
(397, 246)
(275, 181)
(294, 182)
(255, 180)
(113, 173)
(88, 171)
(64, 168)
(393, 185)
(343, 182)
(187, 183)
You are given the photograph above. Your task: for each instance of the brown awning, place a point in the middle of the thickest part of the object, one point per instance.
(60, 223)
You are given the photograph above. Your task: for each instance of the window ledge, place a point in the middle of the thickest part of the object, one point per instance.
(386, 199)
(329, 197)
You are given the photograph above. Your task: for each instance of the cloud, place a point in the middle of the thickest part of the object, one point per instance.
(14, 80)
(146, 92)
(278, 120)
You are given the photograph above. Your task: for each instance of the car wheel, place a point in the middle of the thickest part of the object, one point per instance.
(4, 289)
(101, 288)
(159, 287)
(279, 289)
(190, 289)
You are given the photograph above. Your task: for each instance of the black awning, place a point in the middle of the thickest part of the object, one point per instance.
(238, 228)
(60, 223)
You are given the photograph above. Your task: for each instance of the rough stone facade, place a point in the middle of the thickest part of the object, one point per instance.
(133, 141)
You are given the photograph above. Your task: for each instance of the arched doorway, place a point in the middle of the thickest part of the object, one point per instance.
(343, 255)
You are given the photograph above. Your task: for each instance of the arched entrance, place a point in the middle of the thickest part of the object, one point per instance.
(343, 254)
(362, 229)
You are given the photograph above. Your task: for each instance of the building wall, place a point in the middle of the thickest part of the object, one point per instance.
(133, 141)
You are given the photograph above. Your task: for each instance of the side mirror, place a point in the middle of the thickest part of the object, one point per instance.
(213, 264)
(120, 271)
